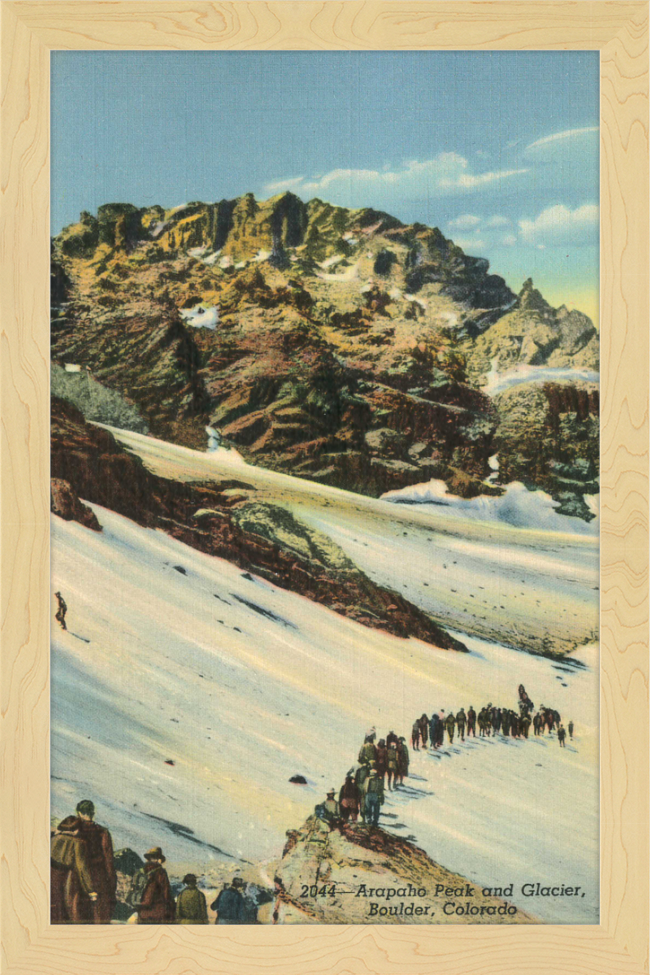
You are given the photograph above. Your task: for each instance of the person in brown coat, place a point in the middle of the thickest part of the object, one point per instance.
(349, 799)
(71, 886)
(157, 905)
(381, 760)
(99, 851)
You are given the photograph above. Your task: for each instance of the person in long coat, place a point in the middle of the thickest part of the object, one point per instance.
(191, 906)
(157, 905)
(71, 886)
(229, 904)
(402, 760)
(349, 799)
(424, 730)
(100, 855)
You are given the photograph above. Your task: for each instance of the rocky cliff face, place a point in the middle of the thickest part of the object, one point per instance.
(339, 345)
(357, 874)
(223, 520)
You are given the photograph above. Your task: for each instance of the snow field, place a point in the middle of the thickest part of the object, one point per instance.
(183, 666)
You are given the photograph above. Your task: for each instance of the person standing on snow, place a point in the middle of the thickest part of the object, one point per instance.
(374, 796)
(381, 760)
(561, 735)
(415, 735)
(349, 798)
(402, 760)
(460, 722)
(424, 730)
(61, 611)
(367, 752)
(157, 905)
(392, 766)
(471, 722)
(191, 906)
(571, 727)
(451, 725)
(229, 904)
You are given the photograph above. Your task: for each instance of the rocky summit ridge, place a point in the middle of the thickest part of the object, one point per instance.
(338, 345)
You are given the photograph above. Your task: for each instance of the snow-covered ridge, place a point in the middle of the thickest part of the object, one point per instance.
(517, 506)
(497, 382)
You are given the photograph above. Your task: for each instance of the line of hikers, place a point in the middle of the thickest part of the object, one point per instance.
(381, 765)
(84, 882)
(490, 720)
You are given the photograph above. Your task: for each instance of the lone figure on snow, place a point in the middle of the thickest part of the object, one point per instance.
(61, 611)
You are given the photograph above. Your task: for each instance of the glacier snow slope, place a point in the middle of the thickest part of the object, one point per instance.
(175, 656)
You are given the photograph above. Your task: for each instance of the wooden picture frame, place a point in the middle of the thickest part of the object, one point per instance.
(30, 30)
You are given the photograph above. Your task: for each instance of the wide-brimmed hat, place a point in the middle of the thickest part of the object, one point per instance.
(155, 853)
(331, 792)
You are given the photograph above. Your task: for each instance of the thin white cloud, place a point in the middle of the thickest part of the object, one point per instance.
(446, 173)
(558, 225)
(464, 221)
(497, 221)
(509, 240)
(561, 136)
(284, 184)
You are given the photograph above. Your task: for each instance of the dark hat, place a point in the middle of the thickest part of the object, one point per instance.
(189, 878)
(155, 853)
(238, 882)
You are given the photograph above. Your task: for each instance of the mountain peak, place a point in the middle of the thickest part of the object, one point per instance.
(529, 298)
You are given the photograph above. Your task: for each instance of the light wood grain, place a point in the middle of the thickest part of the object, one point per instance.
(29, 31)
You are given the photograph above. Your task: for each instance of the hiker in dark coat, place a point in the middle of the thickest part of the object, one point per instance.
(460, 722)
(391, 738)
(561, 735)
(571, 727)
(157, 905)
(94, 849)
(100, 857)
(191, 906)
(349, 799)
(402, 760)
(229, 904)
(61, 611)
(450, 724)
(381, 760)
(433, 729)
(440, 737)
(72, 888)
(424, 730)
(471, 721)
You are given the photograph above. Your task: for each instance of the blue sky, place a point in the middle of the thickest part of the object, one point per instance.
(498, 149)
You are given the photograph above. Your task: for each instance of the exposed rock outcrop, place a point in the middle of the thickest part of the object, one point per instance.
(222, 519)
(65, 503)
(358, 874)
(301, 331)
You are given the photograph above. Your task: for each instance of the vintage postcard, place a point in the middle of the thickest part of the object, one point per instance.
(325, 487)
